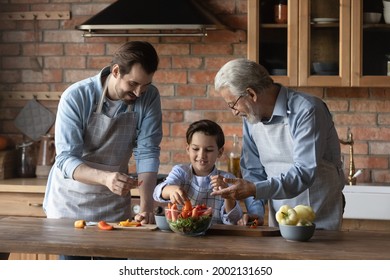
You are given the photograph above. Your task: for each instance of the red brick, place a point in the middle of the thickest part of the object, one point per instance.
(191, 116)
(383, 119)
(164, 62)
(337, 105)
(47, 76)
(372, 133)
(165, 89)
(212, 49)
(10, 76)
(84, 49)
(381, 176)
(172, 49)
(347, 93)
(240, 50)
(216, 62)
(10, 49)
(72, 76)
(209, 104)
(186, 62)
(179, 129)
(69, 62)
(98, 62)
(201, 77)
(17, 36)
(372, 162)
(379, 148)
(88, 9)
(63, 36)
(224, 36)
(173, 116)
(176, 104)
(354, 119)
(319, 92)
(173, 144)
(370, 105)
(191, 90)
(171, 76)
(43, 49)
(180, 157)
(30, 87)
(224, 116)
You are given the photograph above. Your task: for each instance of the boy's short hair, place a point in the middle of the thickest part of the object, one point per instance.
(207, 127)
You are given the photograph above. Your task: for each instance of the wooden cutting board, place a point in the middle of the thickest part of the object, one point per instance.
(142, 227)
(116, 226)
(221, 229)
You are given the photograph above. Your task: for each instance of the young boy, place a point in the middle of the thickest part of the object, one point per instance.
(195, 181)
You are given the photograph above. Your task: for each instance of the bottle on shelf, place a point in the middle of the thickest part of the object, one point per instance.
(280, 10)
(234, 158)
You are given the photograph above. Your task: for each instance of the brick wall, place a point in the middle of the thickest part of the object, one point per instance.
(185, 78)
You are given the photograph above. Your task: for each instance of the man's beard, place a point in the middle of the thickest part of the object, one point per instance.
(252, 118)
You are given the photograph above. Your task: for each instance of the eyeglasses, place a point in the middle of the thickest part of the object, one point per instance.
(233, 106)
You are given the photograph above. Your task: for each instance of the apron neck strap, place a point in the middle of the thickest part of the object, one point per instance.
(105, 89)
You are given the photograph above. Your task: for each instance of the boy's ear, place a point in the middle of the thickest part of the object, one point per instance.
(187, 148)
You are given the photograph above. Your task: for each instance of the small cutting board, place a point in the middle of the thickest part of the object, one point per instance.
(117, 226)
(142, 227)
(221, 229)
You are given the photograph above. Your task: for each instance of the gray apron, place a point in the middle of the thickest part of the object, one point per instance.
(274, 144)
(108, 145)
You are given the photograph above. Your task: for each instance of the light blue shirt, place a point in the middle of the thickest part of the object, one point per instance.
(314, 140)
(76, 105)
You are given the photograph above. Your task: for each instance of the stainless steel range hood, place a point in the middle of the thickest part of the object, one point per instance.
(151, 18)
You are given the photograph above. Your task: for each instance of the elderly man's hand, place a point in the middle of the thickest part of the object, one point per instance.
(240, 189)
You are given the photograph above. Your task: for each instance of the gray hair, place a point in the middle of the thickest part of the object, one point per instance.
(239, 74)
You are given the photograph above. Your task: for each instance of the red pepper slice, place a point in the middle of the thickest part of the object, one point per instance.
(104, 226)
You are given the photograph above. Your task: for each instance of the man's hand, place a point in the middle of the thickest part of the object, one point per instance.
(120, 184)
(240, 189)
(247, 219)
(145, 218)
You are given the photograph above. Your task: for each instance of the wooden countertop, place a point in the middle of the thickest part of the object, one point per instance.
(29, 185)
(58, 236)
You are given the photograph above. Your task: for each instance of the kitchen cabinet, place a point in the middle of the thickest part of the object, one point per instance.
(23, 197)
(330, 32)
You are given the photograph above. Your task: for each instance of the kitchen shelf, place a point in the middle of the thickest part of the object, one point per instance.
(25, 95)
(342, 38)
(35, 15)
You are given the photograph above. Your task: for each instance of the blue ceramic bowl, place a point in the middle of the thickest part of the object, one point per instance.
(297, 233)
(162, 223)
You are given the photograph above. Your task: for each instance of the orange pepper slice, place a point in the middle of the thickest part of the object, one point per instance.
(104, 226)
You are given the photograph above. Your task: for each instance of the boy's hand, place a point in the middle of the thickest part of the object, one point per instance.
(176, 194)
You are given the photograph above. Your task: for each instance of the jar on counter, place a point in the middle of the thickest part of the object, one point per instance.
(280, 10)
(234, 158)
(27, 160)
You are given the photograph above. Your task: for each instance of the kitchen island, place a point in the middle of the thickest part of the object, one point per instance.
(58, 236)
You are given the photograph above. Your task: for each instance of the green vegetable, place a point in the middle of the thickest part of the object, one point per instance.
(191, 225)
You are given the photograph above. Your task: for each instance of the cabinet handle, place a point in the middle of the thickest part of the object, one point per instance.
(35, 204)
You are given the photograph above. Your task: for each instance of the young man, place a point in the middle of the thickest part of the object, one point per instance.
(101, 121)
